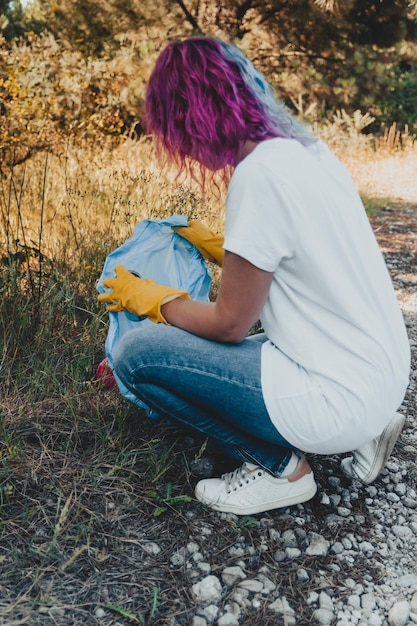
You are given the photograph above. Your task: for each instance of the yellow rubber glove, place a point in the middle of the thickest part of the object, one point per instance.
(207, 243)
(138, 295)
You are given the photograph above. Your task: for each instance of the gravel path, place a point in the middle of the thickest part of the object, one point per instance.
(347, 557)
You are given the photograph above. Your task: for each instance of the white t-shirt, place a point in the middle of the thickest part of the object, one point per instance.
(336, 366)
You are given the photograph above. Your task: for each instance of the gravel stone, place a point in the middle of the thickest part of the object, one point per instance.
(231, 575)
(178, 558)
(325, 601)
(152, 548)
(354, 601)
(399, 614)
(280, 556)
(402, 531)
(228, 619)
(337, 548)
(204, 567)
(209, 613)
(324, 617)
(408, 580)
(292, 553)
(252, 585)
(282, 607)
(289, 539)
(302, 575)
(368, 601)
(319, 546)
(208, 589)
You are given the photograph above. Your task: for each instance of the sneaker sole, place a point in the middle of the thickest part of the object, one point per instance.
(388, 439)
(308, 493)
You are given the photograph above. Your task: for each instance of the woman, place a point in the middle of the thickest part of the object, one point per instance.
(331, 368)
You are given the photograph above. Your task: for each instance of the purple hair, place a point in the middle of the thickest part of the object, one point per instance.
(204, 98)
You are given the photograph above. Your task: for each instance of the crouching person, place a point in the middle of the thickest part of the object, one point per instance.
(331, 368)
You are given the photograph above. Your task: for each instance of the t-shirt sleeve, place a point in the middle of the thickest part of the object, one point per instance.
(258, 224)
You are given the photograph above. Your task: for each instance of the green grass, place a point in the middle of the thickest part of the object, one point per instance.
(374, 205)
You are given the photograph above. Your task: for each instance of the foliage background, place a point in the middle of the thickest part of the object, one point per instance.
(80, 68)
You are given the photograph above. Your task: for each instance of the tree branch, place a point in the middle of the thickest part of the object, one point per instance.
(189, 16)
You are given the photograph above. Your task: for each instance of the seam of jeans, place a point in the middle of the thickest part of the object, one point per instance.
(134, 372)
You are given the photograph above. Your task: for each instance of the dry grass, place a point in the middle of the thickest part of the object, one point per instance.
(90, 192)
(91, 197)
(383, 168)
(87, 483)
(392, 176)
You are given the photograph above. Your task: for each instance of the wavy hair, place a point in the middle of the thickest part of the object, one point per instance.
(204, 98)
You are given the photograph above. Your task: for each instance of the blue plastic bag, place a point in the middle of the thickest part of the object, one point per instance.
(158, 252)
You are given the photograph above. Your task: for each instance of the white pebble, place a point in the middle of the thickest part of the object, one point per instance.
(292, 553)
(210, 613)
(231, 575)
(192, 547)
(228, 619)
(252, 585)
(323, 616)
(407, 580)
(319, 546)
(325, 601)
(402, 531)
(368, 601)
(208, 589)
(152, 548)
(399, 613)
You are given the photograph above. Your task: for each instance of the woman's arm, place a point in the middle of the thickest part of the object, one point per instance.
(242, 294)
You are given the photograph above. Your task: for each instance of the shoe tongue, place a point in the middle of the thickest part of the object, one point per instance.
(250, 467)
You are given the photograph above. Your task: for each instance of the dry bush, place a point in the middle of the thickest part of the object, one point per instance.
(49, 93)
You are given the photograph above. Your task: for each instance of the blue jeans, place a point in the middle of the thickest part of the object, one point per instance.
(209, 387)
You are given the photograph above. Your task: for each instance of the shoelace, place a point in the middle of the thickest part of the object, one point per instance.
(241, 476)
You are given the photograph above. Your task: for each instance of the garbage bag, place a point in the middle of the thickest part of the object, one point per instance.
(158, 252)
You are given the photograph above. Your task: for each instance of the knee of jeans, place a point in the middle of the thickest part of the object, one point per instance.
(129, 348)
(120, 355)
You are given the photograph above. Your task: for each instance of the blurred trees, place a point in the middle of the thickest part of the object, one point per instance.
(49, 94)
(15, 21)
(80, 68)
(92, 24)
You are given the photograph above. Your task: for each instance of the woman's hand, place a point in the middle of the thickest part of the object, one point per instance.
(206, 241)
(137, 295)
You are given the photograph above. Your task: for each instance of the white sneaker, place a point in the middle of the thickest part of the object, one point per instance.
(250, 489)
(368, 461)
